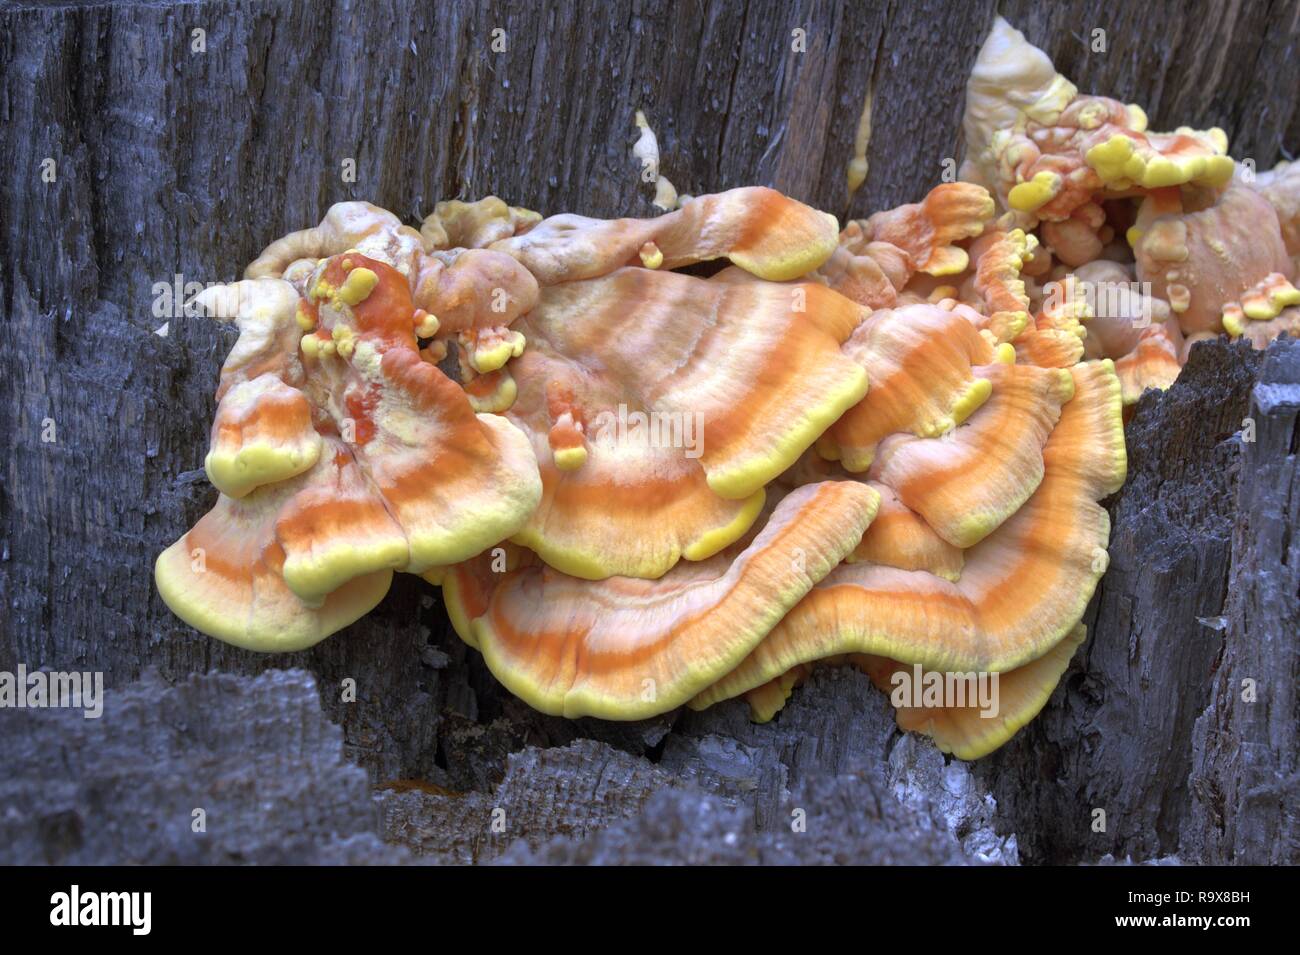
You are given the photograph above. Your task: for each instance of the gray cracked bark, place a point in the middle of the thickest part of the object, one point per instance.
(1245, 782)
(233, 769)
(217, 769)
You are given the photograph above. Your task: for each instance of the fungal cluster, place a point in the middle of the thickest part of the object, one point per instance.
(641, 488)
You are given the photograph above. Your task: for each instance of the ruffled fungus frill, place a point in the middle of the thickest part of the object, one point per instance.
(920, 361)
(968, 482)
(627, 648)
(463, 295)
(1046, 151)
(660, 404)
(1021, 589)
(758, 229)
(962, 715)
(967, 728)
(340, 455)
(875, 258)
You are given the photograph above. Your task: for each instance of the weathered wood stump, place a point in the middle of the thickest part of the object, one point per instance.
(152, 146)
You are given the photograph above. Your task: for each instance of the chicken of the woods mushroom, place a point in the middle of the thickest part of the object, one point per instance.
(881, 446)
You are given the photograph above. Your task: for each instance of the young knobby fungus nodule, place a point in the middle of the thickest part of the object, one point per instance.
(881, 446)
(1203, 246)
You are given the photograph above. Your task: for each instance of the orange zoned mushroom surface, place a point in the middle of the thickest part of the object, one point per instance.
(226, 576)
(1021, 590)
(660, 404)
(760, 230)
(920, 362)
(347, 457)
(972, 727)
(626, 648)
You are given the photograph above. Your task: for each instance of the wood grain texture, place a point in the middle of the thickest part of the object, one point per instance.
(1245, 781)
(172, 162)
(212, 770)
(1149, 724)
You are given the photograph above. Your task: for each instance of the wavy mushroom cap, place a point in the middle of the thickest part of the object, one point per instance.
(346, 458)
(969, 481)
(758, 229)
(769, 699)
(900, 537)
(1153, 362)
(997, 284)
(1260, 304)
(1055, 336)
(928, 231)
(627, 648)
(920, 362)
(262, 433)
(226, 576)
(1022, 589)
(660, 404)
(359, 226)
(968, 727)
(876, 258)
(454, 224)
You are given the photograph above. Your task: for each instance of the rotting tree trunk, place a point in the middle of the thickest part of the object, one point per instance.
(1149, 724)
(1245, 782)
(173, 161)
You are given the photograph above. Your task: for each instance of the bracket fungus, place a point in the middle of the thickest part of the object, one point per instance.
(340, 455)
(638, 488)
(875, 258)
(1048, 152)
(645, 484)
(1021, 591)
(660, 405)
(650, 489)
(630, 648)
